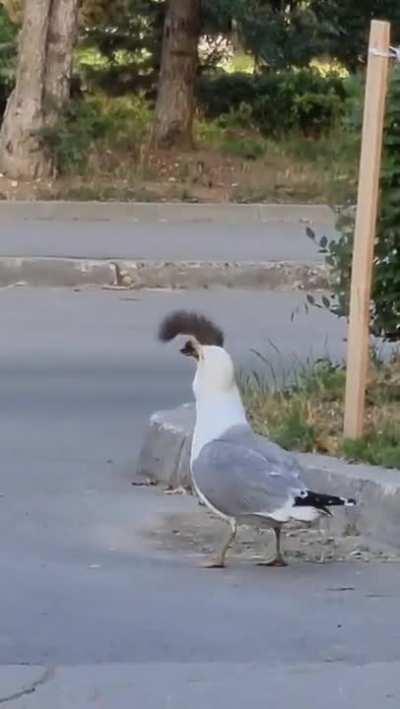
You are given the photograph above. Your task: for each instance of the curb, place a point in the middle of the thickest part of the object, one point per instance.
(165, 211)
(265, 275)
(165, 457)
(50, 271)
(55, 272)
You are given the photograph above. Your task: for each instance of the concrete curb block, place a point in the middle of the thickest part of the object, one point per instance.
(165, 457)
(164, 211)
(200, 274)
(49, 271)
(56, 272)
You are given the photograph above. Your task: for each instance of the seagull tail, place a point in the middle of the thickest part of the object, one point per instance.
(322, 502)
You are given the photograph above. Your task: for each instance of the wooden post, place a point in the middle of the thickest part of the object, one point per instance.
(364, 237)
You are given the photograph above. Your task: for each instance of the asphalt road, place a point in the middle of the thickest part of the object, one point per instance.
(92, 612)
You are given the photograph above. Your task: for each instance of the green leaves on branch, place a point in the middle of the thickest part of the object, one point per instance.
(385, 310)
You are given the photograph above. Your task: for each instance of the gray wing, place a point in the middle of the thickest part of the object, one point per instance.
(241, 475)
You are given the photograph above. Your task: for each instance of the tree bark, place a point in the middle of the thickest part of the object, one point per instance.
(20, 151)
(42, 86)
(60, 44)
(175, 98)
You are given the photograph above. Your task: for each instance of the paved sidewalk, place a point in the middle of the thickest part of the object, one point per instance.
(191, 685)
(164, 232)
(69, 244)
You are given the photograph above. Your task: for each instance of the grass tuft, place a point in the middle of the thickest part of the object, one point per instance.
(305, 411)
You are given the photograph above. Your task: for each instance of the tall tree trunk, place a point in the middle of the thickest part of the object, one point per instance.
(60, 44)
(42, 86)
(20, 151)
(175, 98)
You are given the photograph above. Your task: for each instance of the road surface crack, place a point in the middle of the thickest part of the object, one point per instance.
(30, 689)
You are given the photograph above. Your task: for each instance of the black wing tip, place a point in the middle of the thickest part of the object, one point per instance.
(184, 322)
(321, 501)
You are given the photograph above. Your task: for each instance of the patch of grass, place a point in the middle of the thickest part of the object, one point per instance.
(377, 450)
(328, 165)
(252, 194)
(296, 168)
(246, 148)
(102, 192)
(209, 134)
(294, 432)
(306, 413)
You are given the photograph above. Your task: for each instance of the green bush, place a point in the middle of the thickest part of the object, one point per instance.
(386, 294)
(70, 140)
(314, 113)
(279, 102)
(354, 86)
(118, 125)
(8, 51)
(385, 313)
(222, 93)
(298, 100)
(246, 148)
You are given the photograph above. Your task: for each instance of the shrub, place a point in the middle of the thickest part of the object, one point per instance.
(222, 93)
(315, 113)
(246, 148)
(298, 100)
(8, 51)
(118, 124)
(385, 313)
(130, 118)
(279, 102)
(70, 140)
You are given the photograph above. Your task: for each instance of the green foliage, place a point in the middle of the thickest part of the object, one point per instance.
(338, 254)
(344, 26)
(293, 432)
(304, 410)
(245, 147)
(279, 34)
(303, 100)
(8, 50)
(377, 450)
(315, 112)
(97, 123)
(385, 314)
(217, 15)
(354, 86)
(241, 117)
(323, 379)
(128, 37)
(71, 139)
(277, 102)
(282, 34)
(221, 93)
(386, 294)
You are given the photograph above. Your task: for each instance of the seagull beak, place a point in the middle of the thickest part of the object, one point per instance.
(189, 350)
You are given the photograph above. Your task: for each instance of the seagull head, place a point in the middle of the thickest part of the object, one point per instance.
(215, 370)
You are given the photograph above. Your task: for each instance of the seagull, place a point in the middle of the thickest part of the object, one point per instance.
(240, 476)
